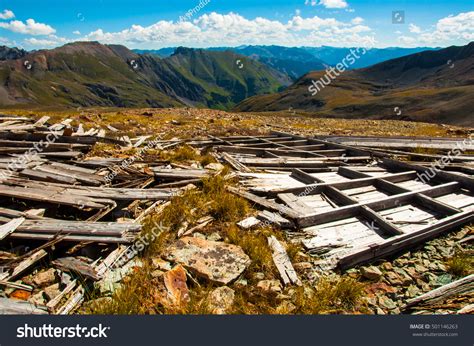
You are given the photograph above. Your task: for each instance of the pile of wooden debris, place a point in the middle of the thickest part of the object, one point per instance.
(66, 220)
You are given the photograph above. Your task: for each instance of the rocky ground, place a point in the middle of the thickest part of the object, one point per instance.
(191, 122)
(199, 261)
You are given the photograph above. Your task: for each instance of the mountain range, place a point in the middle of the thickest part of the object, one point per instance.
(91, 74)
(432, 86)
(297, 61)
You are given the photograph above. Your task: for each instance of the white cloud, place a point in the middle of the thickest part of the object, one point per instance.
(458, 29)
(414, 29)
(232, 29)
(357, 20)
(50, 41)
(311, 2)
(76, 32)
(333, 3)
(30, 27)
(298, 12)
(7, 14)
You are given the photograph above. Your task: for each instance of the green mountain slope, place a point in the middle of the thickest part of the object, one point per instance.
(91, 74)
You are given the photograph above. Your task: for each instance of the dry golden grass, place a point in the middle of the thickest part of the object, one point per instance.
(201, 122)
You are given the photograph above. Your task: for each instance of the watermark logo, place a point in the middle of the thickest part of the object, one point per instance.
(398, 17)
(27, 64)
(239, 64)
(48, 331)
(397, 111)
(450, 63)
(134, 64)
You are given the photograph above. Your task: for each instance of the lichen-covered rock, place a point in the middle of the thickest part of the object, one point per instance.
(216, 261)
(176, 287)
(221, 300)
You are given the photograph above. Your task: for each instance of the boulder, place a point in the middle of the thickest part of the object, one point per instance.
(216, 261)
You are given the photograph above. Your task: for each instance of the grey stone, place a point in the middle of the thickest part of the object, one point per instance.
(371, 273)
(216, 261)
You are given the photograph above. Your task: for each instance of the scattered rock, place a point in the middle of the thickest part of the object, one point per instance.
(393, 279)
(45, 278)
(161, 264)
(286, 307)
(371, 273)
(221, 300)
(175, 283)
(38, 298)
(157, 273)
(273, 286)
(387, 303)
(214, 237)
(241, 283)
(412, 291)
(52, 291)
(20, 294)
(258, 276)
(216, 261)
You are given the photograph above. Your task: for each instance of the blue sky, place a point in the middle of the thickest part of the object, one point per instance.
(155, 24)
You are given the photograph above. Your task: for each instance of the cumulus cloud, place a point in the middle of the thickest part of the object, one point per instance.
(30, 27)
(76, 32)
(458, 29)
(49, 41)
(414, 29)
(357, 20)
(7, 14)
(233, 29)
(333, 3)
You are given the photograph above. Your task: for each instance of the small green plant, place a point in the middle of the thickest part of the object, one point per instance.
(460, 264)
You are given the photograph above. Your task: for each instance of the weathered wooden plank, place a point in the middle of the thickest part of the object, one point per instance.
(19, 307)
(265, 203)
(283, 262)
(465, 284)
(10, 227)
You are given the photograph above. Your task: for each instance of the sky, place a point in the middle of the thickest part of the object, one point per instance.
(146, 24)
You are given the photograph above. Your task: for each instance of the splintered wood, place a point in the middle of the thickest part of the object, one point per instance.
(283, 263)
(76, 216)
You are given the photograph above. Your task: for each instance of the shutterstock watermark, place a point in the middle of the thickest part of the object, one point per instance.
(115, 170)
(29, 155)
(332, 73)
(48, 331)
(193, 11)
(445, 160)
(140, 244)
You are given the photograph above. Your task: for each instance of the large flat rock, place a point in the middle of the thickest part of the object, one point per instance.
(216, 261)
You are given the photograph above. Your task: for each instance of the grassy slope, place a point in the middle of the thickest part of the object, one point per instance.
(90, 74)
(422, 86)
